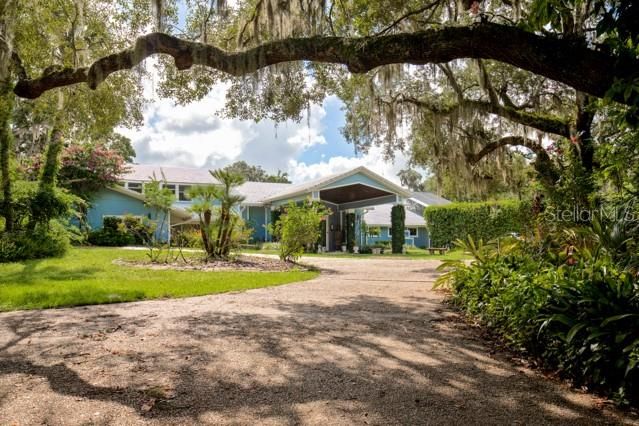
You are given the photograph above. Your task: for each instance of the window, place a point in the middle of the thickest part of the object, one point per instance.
(412, 232)
(183, 192)
(135, 186)
(373, 231)
(170, 186)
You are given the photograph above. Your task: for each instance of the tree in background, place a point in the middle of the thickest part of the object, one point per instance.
(84, 168)
(398, 219)
(298, 228)
(255, 173)
(54, 35)
(411, 179)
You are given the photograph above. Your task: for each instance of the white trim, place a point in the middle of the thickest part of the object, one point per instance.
(421, 203)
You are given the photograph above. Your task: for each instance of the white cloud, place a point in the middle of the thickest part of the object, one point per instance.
(373, 160)
(192, 135)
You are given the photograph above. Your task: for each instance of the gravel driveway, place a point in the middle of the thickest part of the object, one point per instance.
(367, 342)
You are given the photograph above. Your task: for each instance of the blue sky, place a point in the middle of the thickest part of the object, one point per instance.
(335, 145)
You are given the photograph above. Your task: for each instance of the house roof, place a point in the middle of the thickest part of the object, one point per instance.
(143, 172)
(429, 199)
(181, 213)
(381, 216)
(257, 192)
(317, 184)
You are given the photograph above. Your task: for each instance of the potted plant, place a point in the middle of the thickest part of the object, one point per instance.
(344, 248)
(356, 249)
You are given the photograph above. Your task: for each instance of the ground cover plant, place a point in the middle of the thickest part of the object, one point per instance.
(87, 276)
(569, 300)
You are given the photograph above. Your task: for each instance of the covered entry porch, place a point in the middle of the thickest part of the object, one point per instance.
(348, 196)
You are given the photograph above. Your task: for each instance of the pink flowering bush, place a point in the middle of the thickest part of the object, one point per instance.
(84, 168)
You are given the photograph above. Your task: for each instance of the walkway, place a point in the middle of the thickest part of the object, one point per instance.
(367, 342)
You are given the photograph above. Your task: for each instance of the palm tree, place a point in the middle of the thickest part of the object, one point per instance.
(204, 197)
(222, 199)
(228, 201)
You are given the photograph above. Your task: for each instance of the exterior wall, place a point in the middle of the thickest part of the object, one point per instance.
(111, 203)
(421, 240)
(256, 218)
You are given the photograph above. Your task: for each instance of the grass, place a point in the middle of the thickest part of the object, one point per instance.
(412, 253)
(87, 276)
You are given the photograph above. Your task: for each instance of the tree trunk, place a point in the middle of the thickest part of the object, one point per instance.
(7, 21)
(583, 148)
(6, 149)
(52, 156)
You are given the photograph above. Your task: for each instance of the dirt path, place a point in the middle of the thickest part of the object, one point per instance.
(367, 342)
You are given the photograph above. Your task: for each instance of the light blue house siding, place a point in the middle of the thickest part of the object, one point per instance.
(111, 203)
(421, 240)
(257, 217)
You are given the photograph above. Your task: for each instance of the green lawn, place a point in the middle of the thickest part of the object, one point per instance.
(412, 253)
(88, 276)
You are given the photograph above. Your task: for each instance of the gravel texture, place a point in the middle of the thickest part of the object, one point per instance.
(241, 263)
(367, 342)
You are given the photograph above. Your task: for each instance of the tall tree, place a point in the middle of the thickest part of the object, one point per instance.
(587, 49)
(55, 35)
(255, 173)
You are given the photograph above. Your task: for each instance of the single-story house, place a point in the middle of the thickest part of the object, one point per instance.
(360, 191)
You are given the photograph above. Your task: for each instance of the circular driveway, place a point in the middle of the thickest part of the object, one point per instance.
(367, 342)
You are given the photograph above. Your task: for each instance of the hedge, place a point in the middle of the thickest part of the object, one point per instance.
(485, 220)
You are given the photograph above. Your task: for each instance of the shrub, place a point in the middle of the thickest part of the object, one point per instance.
(140, 228)
(41, 242)
(112, 234)
(298, 227)
(592, 317)
(106, 238)
(190, 238)
(366, 250)
(576, 310)
(270, 246)
(484, 221)
(398, 219)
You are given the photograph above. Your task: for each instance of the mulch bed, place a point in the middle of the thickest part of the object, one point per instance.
(240, 263)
